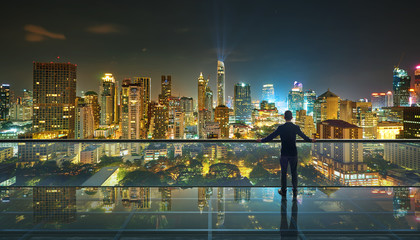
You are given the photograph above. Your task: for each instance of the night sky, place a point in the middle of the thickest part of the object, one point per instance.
(350, 47)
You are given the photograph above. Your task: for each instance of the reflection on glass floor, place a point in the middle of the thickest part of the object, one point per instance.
(121, 211)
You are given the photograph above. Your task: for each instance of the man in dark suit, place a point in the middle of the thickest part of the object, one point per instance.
(287, 132)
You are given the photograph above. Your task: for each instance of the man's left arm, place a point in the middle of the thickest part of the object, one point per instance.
(302, 135)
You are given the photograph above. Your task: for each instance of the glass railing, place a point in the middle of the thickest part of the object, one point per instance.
(205, 163)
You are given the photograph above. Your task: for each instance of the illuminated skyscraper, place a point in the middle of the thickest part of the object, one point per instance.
(54, 99)
(221, 115)
(389, 99)
(201, 96)
(242, 103)
(160, 122)
(91, 99)
(295, 99)
(417, 84)
(84, 120)
(132, 107)
(205, 105)
(4, 101)
(144, 83)
(220, 83)
(309, 98)
(108, 100)
(401, 87)
(166, 90)
(268, 93)
(326, 107)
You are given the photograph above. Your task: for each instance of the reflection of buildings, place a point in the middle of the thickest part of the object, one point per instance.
(220, 207)
(54, 204)
(110, 198)
(242, 195)
(401, 201)
(342, 162)
(202, 198)
(166, 199)
(139, 196)
(268, 194)
(30, 153)
(405, 155)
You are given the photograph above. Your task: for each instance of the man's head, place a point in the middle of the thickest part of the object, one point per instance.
(288, 115)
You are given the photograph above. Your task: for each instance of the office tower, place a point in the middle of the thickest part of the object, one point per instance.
(84, 120)
(220, 83)
(144, 83)
(54, 97)
(4, 101)
(208, 101)
(378, 101)
(166, 90)
(389, 99)
(417, 84)
(405, 155)
(309, 98)
(201, 96)
(212, 130)
(178, 125)
(91, 99)
(31, 153)
(204, 116)
(160, 122)
(305, 122)
(108, 99)
(268, 93)
(295, 98)
(401, 87)
(221, 115)
(54, 204)
(132, 110)
(187, 104)
(242, 103)
(388, 130)
(326, 107)
(360, 113)
(411, 123)
(22, 109)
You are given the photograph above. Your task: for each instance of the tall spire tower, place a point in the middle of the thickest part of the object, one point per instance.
(220, 83)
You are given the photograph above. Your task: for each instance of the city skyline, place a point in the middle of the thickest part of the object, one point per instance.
(94, 46)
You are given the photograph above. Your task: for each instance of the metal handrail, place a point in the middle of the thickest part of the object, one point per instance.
(202, 141)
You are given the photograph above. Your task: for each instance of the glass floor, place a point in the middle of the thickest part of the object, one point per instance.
(209, 213)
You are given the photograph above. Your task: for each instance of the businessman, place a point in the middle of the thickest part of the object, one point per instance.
(287, 132)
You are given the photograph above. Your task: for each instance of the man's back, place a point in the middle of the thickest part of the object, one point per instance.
(287, 132)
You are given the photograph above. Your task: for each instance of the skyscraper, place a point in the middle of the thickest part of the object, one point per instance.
(166, 89)
(326, 107)
(201, 96)
(242, 103)
(91, 99)
(84, 120)
(144, 83)
(4, 101)
(295, 98)
(378, 101)
(160, 122)
(220, 83)
(309, 98)
(221, 115)
(417, 84)
(205, 105)
(401, 87)
(54, 97)
(268, 93)
(389, 99)
(132, 107)
(108, 99)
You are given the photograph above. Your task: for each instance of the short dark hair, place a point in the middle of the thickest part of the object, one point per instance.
(288, 115)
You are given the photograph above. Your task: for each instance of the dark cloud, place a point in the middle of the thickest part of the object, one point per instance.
(37, 34)
(104, 29)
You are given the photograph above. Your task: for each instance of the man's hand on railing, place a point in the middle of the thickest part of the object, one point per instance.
(258, 140)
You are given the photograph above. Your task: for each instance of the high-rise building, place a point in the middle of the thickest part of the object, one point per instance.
(22, 109)
(160, 122)
(204, 116)
(55, 205)
(417, 84)
(54, 97)
(84, 120)
(411, 122)
(187, 104)
(208, 101)
(360, 113)
(295, 98)
(406, 155)
(166, 90)
(220, 83)
(401, 87)
(242, 103)
(221, 115)
(91, 99)
(108, 100)
(326, 107)
(309, 98)
(144, 83)
(378, 101)
(305, 122)
(4, 101)
(201, 96)
(132, 109)
(389, 99)
(205, 105)
(268, 93)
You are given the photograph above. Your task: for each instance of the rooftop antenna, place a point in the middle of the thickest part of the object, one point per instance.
(401, 58)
